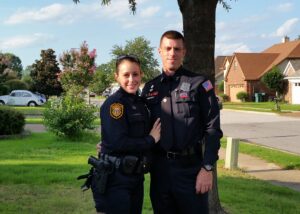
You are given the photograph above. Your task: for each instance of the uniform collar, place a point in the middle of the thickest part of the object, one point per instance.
(175, 77)
(124, 93)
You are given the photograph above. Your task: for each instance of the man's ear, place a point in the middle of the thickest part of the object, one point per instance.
(159, 50)
(184, 52)
(116, 76)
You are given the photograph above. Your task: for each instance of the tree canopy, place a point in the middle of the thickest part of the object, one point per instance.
(78, 69)
(274, 80)
(11, 61)
(44, 73)
(141, 48)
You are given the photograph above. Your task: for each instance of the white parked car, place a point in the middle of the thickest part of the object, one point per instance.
(22, 98)
(109, 91)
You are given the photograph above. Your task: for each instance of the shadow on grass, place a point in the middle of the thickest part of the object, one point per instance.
(246, 195)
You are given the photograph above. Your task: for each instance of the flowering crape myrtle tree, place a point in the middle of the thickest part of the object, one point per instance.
(78, 68)
(70, 115)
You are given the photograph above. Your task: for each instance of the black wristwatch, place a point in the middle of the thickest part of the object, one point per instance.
(208, 167)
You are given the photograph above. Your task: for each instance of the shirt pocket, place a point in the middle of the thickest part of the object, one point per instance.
(136, 125)
(186, 104)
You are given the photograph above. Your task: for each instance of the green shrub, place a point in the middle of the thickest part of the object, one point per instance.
(4, 90)
(224, 97)
(69, 116)
(242, 96)
(11, 121)
(16, 84)
(221, 87)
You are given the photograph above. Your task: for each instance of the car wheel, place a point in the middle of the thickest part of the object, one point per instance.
(1, 103)
(32, 103)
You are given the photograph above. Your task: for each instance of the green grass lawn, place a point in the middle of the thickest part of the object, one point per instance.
(283, 159)
(40, 120)
(34, 111)
(38, 175)
(262, 106)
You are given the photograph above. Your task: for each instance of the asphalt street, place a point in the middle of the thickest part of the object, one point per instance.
(268, 129)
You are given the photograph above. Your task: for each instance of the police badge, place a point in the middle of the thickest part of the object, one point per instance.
(116, 110)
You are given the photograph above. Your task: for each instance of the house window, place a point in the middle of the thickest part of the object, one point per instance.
(235, 65)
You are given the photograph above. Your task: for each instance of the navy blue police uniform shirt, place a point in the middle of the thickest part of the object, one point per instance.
(189, 112)
(125, 125)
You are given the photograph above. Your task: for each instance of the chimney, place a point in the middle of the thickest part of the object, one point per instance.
(285, 39)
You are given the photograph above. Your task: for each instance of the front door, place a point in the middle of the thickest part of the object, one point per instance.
(296, 93)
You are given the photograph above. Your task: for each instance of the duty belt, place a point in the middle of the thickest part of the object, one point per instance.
(128, 164)
(179, 154)
(113, 159)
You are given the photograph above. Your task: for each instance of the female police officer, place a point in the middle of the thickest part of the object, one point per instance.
(125, 141)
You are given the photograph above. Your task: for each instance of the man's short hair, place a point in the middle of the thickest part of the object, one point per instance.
(172, 34)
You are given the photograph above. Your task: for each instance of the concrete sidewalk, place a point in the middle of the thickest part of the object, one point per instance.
(267, 171)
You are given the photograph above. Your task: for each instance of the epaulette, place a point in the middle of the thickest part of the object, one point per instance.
(116, 97)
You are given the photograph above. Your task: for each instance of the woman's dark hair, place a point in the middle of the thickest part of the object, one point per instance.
(128, 57)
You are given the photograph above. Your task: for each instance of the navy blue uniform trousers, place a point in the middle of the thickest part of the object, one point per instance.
(173, 186)
(124, 194)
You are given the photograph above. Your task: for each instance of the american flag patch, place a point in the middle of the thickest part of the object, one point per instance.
(207, 85)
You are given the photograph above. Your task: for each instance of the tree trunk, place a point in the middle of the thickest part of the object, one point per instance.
(213, 197)
(199, 20)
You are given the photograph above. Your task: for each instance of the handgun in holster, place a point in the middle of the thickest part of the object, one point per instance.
(102, 169)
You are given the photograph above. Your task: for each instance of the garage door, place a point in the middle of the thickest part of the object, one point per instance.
(296, 93)
(234, 89)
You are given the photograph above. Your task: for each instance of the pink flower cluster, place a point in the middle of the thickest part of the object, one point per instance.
(78, 65)
(93, 54)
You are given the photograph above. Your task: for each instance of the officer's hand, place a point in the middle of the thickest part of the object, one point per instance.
(204, 181)
(155, 131)
(98, 147)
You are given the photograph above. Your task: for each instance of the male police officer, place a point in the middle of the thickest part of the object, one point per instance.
(185, 102)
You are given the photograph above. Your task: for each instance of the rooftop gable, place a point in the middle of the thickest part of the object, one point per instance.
(286, 50)
(254, 64)
(219, 61)
(294, 64)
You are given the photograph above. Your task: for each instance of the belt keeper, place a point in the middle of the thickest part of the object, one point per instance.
(117, 163)
(172, 155)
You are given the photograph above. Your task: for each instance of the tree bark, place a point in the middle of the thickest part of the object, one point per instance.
(199, 20)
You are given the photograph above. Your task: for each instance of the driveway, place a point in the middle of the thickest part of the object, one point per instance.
(268, 129)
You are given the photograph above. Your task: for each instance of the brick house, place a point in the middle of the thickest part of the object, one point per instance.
(292, 73)
(221, 67)
(246, 70)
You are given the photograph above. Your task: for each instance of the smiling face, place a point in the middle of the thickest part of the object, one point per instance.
(172, 52)
(129, 76)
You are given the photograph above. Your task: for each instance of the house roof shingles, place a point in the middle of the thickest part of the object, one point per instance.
(219, 61)
(254, 64)
(285, 50)
(220, 64)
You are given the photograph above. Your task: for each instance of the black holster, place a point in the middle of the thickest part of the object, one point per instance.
(102, 170)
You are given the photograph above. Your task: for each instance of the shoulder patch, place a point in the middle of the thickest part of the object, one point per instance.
(116, 110)
(207, 85)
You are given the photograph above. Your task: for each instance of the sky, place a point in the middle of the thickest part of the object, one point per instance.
(27, 27)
